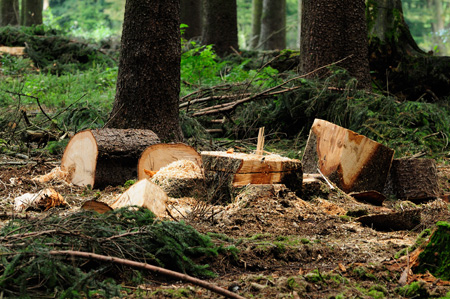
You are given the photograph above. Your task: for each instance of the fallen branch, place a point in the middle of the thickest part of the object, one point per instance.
(152, 268)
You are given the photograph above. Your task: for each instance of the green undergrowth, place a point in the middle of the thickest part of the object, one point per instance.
(28, 269)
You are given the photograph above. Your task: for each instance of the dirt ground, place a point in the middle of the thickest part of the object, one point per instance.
(289, 247)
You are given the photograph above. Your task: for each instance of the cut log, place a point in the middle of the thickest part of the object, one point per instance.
(105, 157)
(405, 220)
(415, 179)
(353, 162)
(156, 156)
(17, 51)
(144, 194)
(225, 171)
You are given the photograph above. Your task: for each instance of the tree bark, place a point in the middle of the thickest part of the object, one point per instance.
(9, 12)
(333, 30)
(220, 28)
(396, 61)
(257, 6)
(148, 83)
(32, 12)
(273, 25)
(192, 15)
(105, 157)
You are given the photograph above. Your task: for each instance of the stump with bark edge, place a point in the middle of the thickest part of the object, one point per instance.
(226, 171)
(353, 162)
(105, 156)
(415, 179)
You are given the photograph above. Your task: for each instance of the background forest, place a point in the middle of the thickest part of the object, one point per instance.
(429, 21)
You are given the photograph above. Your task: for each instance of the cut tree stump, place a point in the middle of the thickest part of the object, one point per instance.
(353, 162)
(415, 179)
(106, 156)
(226, 171)
(144, 194)
(156, 156)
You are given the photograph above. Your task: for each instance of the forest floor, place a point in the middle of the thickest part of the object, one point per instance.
(288, 247)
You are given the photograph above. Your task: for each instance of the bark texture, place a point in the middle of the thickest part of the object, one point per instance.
(415, 179)
(332, 30)
(32, 12)
(9, 12)
(220, 28)
(192, 15)
(148, 83)
(273, 25)
(257, 6)
(105, 157)
(397, 62)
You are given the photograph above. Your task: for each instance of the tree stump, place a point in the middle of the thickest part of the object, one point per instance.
(105, 157)
(353, 162)
(414, 179)
(159, 155)
(226, 171)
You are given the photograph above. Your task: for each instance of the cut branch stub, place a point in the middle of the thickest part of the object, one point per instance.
(106, 156)
(159, 155)
(353, 162)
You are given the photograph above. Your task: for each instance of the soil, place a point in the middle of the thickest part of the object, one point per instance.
(288, 247)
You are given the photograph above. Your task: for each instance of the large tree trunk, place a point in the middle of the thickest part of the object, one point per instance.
(9, 12)
(220, 28)
(331, 31)
(257, 6)
(32, 12)
(273, 25)
(395, 59)
(192, 15)
(148, 83)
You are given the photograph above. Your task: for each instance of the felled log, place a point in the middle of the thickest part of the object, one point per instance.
(143, 194)
(415, 179)
(353, 162)
(156, 156)
(405, 220)
(17, 51)
(226, 171)
(106, 156)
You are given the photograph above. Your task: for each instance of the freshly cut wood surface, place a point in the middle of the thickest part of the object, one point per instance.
(156, 156)
(227, 170)
(415, 179)
(352, 161)
(144, 194)
(106, 156)
(18, 51)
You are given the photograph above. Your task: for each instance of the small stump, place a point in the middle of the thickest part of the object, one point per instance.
(226, 171)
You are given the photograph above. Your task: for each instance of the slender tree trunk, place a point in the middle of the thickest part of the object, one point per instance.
(220, 28)
(438, 23)
(148, 83)
(257, 6)
(192, 15)
(273, 25)
(9, 12)
(300, 7)
(32, 12)
(333, 30)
